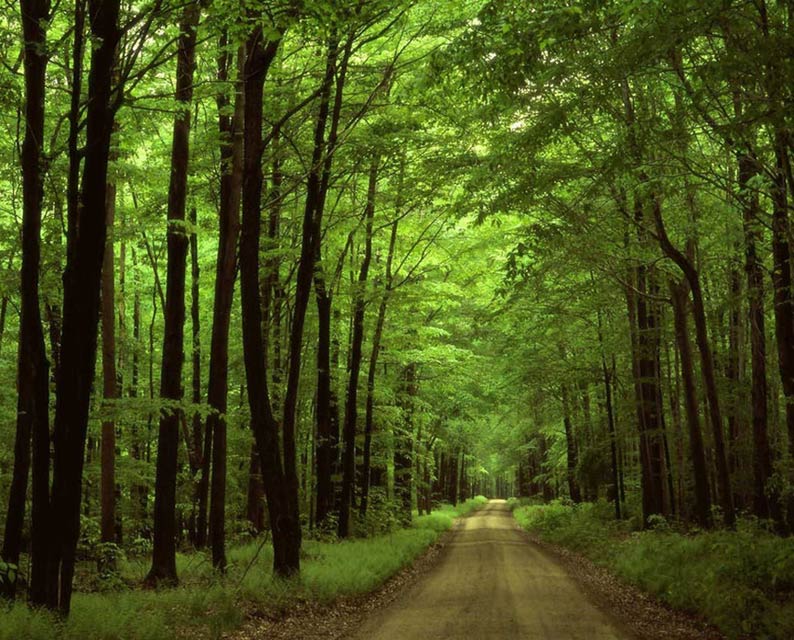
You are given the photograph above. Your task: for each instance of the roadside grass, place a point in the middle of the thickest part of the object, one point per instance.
(206, 605)
(742, 581)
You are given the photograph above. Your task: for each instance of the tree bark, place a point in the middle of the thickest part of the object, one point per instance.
(32, 366)
(82, 280)
(284, 524)
(163, 568)
(231, 129)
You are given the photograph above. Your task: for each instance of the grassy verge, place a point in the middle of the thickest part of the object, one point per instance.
(741, 581)
(206, 605)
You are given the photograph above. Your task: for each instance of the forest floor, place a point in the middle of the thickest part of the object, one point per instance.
(488, 579)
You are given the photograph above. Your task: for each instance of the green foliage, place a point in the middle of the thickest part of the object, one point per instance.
(8, 572)
(742, 581)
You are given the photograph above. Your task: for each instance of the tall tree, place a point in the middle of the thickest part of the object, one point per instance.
(81, 288)
(163, 568)
(32, 365)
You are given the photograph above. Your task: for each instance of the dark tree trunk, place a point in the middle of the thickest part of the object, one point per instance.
(570, 440)
(613, 447)
(351, 403)
(32, 367)
(706, 364)
(231, 129)
(651, 441)
(81, 288)
(680, 298)
(165, 527)
(763, 507)
(195, 440)
(279, 490)
(109, 382)
(783, 297)
(255, 505)
(327, 451)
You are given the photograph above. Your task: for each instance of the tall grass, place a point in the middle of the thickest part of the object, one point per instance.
(742, 581)
(206, 605)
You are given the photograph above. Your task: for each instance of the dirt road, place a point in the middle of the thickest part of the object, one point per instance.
(492, 583)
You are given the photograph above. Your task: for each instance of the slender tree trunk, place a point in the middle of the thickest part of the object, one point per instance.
(231, 129)
(351, 404)
(763, 507)
(80, 318)
(573, 484)
(403, 449)
(165, 527)
(32, 366)
(607, 377)
(278, 488)
(706, 363)
(109, 382)
(680, 300)
(375, 353)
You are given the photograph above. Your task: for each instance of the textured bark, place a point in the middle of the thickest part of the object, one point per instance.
(80, 318)
(163, 568)
(32, 366)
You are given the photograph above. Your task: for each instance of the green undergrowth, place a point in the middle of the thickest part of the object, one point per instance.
(742, 581)
(206, 605)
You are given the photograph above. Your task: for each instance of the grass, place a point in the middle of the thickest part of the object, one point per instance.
(206, 605)
(742, 581)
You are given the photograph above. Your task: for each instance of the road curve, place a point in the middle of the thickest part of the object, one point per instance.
(491, 583)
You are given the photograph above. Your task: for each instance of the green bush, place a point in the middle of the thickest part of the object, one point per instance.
(742, 581)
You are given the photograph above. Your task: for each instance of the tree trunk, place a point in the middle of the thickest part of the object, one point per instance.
(109, 382)
(231, 129)
(351, 403)
(613, 450)
(279, 489)
(680, 300)
(32, 366)
(573, 484)
(81, 288)
(375, 353)
(763, 507)
(164, 550)
(706, 363)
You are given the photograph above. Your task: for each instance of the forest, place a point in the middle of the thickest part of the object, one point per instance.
(288, 288)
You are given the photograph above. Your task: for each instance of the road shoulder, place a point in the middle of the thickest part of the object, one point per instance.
(640, 614)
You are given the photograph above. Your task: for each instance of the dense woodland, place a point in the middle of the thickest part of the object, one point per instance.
(300, 269)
